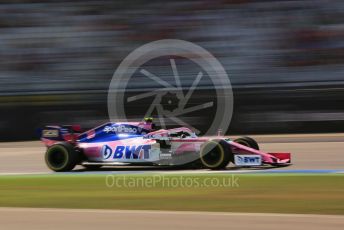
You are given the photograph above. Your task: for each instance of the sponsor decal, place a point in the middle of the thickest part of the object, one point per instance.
(126, 152)
(91, 134)
(119, 129)
(247, 160)
(165, 156)
(50, 133)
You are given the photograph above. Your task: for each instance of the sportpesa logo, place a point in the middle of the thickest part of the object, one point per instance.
(119, 129)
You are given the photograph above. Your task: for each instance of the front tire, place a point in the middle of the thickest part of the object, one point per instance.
(216, 154)
(248, 142)
(61, 157)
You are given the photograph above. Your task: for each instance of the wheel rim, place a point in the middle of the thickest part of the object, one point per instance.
(212, 155)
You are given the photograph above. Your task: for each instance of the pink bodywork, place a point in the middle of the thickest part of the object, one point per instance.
(189, 145)
(269, 158)
(93, 151)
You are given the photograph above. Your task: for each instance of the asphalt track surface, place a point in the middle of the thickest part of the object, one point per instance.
(310, 153)
(17, 218)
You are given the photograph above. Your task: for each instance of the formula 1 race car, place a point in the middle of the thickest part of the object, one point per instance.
(138, 143)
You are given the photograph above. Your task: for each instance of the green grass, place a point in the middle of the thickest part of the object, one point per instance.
(319, 194)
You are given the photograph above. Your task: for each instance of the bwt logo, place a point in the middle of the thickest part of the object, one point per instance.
(126, 152)
(119, 129)
(247, 160)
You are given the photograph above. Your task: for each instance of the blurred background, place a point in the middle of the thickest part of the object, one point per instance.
(285, 59)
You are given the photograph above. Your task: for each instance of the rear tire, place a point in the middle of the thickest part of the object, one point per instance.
(247, 141)
(61, 157)
(216, 154)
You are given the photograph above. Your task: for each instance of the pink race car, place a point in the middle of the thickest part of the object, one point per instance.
(138, 143)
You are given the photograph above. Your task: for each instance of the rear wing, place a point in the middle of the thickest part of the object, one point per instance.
(52, 134)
